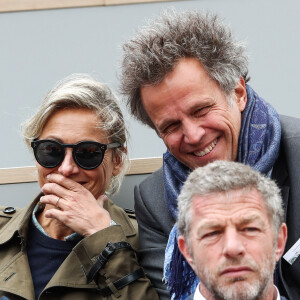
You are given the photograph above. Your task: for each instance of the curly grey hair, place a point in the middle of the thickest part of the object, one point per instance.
(157, 48)
(223, 176)
(83, 91)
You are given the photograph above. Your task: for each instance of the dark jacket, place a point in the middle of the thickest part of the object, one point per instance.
(286, 173)
(155, 221)
(70, 280)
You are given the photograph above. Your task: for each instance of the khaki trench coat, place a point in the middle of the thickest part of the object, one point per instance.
(70, 280)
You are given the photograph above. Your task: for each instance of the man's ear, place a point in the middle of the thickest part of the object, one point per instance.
(184, 249)
(117, 161)
(281, 241)
(240, 94)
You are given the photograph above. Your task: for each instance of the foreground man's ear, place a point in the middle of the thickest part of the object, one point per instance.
(184, 249)
(281, 241)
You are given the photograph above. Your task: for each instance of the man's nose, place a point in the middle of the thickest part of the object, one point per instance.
(193, 132)
(233, 243)
(68, 167)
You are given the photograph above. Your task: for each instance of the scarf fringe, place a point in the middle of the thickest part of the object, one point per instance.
(178, 267)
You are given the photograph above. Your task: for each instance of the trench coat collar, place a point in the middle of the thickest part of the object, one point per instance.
(19, 223)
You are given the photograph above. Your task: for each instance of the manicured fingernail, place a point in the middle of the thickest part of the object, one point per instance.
(48, 176)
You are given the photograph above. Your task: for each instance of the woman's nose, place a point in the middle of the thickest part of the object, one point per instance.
(68, 166)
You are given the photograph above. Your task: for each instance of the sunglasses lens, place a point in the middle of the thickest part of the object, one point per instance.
(88, 155)
(49, 154)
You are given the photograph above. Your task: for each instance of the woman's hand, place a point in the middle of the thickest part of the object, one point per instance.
(77, 207)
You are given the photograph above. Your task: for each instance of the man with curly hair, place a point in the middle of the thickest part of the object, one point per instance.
(185, 76)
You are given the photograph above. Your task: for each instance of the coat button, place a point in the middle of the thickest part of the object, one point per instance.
(9, 210)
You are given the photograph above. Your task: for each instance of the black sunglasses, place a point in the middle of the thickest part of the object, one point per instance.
(88, 155)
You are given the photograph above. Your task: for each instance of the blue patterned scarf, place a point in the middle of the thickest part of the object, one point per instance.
(259, 143)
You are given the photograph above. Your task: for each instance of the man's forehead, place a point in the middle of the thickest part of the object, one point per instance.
(229, 200)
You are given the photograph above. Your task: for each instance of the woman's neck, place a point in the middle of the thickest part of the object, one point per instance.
(53, 227)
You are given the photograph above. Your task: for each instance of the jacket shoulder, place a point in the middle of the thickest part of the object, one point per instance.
(124, 217)
(130, 213)
(290, 126)
(8, 213)
(156, 176)
(132, 217)
(290, 142)
(153, 185)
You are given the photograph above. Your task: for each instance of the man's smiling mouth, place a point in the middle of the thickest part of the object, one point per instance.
(207, 149)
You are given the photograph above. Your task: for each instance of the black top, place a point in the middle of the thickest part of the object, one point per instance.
(45, 255)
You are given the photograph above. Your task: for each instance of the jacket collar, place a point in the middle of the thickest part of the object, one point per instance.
(118, 215)
(280, 175)
(18, 224)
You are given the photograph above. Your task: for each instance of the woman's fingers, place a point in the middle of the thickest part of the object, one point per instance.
(52, 200)
(63, 187)
(63, 181)
(55, 189)
(84, 223)
(77, 208)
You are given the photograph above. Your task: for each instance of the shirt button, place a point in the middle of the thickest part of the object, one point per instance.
(9, 210)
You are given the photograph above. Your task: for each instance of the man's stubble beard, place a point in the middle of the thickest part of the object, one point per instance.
(237, 288)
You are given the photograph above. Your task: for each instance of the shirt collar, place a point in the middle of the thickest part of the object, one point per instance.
(198, 295)
(74, 237)
(278, 294)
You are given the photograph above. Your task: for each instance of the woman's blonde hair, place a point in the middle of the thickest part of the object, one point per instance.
(83, 91)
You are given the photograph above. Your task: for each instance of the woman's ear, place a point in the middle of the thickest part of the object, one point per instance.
(117, 161)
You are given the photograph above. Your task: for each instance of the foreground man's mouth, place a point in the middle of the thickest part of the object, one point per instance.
(207, 149)
(236, 271)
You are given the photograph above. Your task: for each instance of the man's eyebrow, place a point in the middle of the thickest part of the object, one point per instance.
(165, 123)
(209, 225)
(198, 105)
(204, 102)
(240, 221)
(248, 219)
